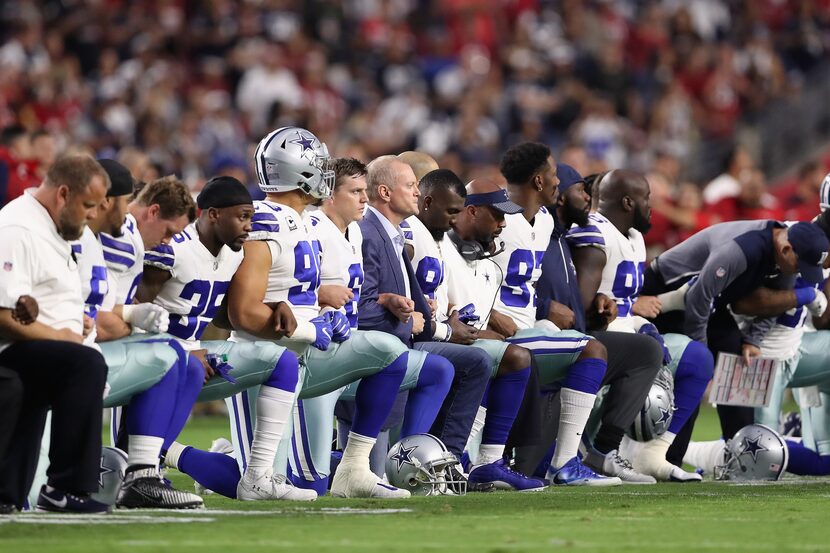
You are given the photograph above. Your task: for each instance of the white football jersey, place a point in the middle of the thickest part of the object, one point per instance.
(477, 282)
(125, 259)
(294, 275)
(93, 272)
(521, 263)
(342, 261)
(625, 261)
(198, 281)
(430, 270)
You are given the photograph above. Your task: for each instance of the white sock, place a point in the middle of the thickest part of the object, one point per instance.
(705, 455)
(489, 453)
(576, 408)
(273, 407)
(357, 451)
(144, 450)
(171, 458)
(474, 441)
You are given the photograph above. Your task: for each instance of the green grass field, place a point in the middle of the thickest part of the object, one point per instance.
(792, 515)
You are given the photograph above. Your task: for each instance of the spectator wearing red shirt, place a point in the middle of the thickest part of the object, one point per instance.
(799, 199)
(17, 171)
(753, 202)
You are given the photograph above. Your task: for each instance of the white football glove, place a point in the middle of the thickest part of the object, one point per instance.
(149, 317)
(818, 305)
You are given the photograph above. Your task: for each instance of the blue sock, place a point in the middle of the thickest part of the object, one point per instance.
(285, 373)
(191, 378)
(426, 398)
(503, 401)
(694, 371)
(215, 471)
(586, 375)
(806, 462)
(375, 397)
(150, 411)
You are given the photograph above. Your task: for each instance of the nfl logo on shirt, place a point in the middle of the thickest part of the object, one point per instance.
(7, 266)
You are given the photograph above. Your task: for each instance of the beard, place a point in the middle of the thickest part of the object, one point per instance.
(573, 215)
(68, 229)
(641, 222)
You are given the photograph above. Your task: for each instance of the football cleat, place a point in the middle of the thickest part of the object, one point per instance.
(145, 489)
(502, 477)
(7, 509)
(267, 485)
(613, 464)
(57, 501)
(791, 425)
(352, 481)
(219, 445)
(574, 473)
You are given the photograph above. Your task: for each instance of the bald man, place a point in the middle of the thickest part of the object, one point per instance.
(610, 258)
(420, 163)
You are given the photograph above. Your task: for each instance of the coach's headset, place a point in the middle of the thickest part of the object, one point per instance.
(472, 250)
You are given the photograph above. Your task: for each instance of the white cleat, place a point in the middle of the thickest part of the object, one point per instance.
(357, 482)
(219, 445)
(613, 464)
(267, 486)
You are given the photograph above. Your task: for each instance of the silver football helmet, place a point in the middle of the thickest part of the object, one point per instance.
(292, 158)
(655, 416)
(110, 475)
(756, 452)
(422, 464)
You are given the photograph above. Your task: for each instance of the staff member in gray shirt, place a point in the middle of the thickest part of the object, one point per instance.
(730, 260)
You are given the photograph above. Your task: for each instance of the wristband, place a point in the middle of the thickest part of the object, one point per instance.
(805, 295)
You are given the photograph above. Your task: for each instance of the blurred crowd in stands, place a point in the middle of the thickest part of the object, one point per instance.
(189, 86)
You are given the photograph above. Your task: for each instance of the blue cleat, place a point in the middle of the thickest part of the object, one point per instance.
(574, 473)
(502, 477)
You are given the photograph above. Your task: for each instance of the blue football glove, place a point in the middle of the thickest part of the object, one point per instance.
(341, 330)
(467, 314)
(651, 330)
(220, 365)
(322, 325)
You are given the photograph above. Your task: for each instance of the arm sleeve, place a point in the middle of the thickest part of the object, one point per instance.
(722, 267)
(17, 266)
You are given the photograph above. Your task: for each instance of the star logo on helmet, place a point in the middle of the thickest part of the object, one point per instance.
(103, 471)
(307, 142)
(665, 416)
(404, 456)
(753, 448)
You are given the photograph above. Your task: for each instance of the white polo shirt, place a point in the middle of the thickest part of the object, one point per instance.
(36, 260)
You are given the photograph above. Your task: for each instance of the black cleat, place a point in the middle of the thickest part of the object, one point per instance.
(56, 501)
(145, 489)
(7, 509)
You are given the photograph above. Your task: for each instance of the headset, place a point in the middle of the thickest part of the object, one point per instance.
(472, 250)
